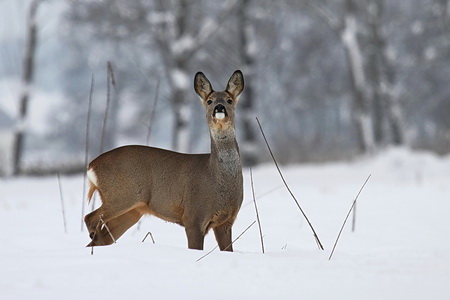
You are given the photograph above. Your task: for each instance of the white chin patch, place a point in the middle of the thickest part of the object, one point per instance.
(220, 115)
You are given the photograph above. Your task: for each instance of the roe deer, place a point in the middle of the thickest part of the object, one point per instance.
(197, 191)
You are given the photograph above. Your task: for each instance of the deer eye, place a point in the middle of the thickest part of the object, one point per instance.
(230, 101)
(209, 102)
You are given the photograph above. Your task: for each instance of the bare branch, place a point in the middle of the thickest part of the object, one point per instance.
(187, 45)
(327, 16)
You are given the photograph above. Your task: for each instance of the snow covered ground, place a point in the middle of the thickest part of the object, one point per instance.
(400, 250)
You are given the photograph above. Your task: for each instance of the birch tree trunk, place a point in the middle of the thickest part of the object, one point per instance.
(358, 83)
(26, 82)
(181, 107)
(389, 121)
(178, 43)
(250, 145)
(346, 28)
(178, 75)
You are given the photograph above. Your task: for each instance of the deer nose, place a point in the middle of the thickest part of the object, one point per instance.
(219, 108)
(220, 111)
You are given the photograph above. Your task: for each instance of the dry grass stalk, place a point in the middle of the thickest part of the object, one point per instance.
(86, 150)
(348, 214)
(256, 209)
(229, 244)
(149, 234)
(319, 244)
(62, 203)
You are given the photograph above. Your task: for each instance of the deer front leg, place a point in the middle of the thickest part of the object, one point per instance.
(223, 236)
(195, 237)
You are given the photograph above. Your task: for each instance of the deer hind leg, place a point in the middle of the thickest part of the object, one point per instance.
(115, 228)
(92, 221)
(223, 236)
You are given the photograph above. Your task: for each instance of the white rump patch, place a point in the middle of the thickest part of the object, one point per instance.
(92, 176)
(220, 115)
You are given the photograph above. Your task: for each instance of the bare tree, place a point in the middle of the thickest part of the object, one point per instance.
(376, 104)
(247, 50)
(358, 78)
(26, 82)
(179, 41)
(177, 28)
(388, 115)
(343, 83)
(346, 29)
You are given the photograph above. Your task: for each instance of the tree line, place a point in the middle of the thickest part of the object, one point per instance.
(329, 79)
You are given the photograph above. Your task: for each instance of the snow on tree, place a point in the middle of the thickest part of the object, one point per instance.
(7, 128)
(27, 80)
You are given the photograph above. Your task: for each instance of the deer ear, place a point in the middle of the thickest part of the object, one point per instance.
(235, 84)
(202, 86)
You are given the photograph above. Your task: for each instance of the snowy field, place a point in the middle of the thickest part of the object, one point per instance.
(400, 249)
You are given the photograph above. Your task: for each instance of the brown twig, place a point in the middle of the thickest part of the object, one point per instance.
(256, 209)
(319, 244)
(229, 244)
(342, 227)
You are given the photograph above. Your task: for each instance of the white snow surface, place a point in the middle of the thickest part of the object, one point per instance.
(400, 249)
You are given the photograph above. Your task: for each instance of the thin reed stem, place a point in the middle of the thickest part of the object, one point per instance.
(149, 234)
(86, 150)
(348, 214)
(319, 244)
(256, 209)
(62, 203)
(229, 244)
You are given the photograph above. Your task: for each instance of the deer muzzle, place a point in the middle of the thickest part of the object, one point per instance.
(220, 112)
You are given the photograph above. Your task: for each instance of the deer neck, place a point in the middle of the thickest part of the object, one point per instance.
(225, 152)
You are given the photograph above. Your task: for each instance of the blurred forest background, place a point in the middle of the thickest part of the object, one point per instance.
(328, 79)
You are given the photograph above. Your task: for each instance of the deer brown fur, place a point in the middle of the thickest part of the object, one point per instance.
(197, 191)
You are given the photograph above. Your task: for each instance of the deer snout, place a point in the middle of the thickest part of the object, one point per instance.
(220, 112)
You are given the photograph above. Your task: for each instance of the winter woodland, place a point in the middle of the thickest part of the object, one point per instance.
(329, 79)
(342, 88)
